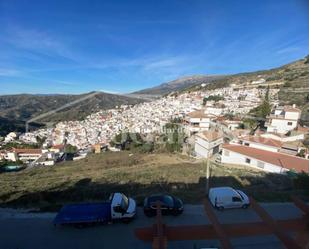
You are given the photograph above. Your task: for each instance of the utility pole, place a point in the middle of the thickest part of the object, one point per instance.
(207, 175)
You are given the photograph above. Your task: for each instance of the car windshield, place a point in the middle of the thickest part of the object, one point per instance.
(124, 202)
(165, 200)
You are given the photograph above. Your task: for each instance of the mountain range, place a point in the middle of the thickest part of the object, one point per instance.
(15, 110)
(180, 84)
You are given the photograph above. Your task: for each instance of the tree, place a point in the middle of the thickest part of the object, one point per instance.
(174, 137)
(263, 110)
(132, 141)
(40, 140)
(215, 98)
(250, 124)
(71, 149)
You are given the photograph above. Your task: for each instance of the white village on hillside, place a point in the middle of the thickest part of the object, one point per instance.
(214, 129)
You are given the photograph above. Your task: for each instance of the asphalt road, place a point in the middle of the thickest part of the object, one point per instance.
(35, 231)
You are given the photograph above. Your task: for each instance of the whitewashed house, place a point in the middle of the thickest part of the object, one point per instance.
(230, 124)
(197, 121)
(283, 119)
(211, 110)
(262, 159)
(207, 143)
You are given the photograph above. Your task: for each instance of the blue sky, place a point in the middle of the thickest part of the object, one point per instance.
(76, 46)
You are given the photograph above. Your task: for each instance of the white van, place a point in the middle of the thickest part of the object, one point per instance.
(227, 197)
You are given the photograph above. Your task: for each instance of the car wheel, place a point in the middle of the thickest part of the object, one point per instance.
(245, 206)
(220, 208)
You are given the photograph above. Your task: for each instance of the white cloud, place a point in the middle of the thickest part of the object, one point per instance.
(40, 42)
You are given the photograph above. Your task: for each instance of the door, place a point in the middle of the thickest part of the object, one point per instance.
(118, 212)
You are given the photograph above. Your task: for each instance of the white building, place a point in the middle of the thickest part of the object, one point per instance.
(260, 143)
(230, 124)
(207, 143)
(27, 155)
(10, 137)
(214, 111)
(197, 121)
(261, 159)
(283, 119)
(259, 81)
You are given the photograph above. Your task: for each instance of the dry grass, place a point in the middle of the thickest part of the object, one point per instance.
(137, 175)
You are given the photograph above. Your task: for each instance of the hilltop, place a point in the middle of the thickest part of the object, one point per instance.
(180, 84)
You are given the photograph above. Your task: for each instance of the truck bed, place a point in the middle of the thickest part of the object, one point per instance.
(84, 213)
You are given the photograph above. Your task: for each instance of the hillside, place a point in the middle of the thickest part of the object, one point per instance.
(16, 109)
(292, 79)
(179, 84)
(138, 175)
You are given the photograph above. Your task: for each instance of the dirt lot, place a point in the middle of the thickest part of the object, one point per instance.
(137, 175)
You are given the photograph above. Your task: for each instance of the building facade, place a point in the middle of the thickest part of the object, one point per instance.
(207, 143)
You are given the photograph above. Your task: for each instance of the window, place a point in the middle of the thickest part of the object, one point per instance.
(226, 153)
(290, 123)
(236, 199)
(124, 202)
(246, 144)
(248, 160)
(118, 209)
(260, 164)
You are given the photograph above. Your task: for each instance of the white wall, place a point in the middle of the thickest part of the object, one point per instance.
(203, 148)
(239, 159)
(11, 156)
(202, 122)
(201, 152)
(214, 111)
(292, 115)
(281, 125)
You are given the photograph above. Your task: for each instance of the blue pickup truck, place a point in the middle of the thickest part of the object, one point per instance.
(119, 207)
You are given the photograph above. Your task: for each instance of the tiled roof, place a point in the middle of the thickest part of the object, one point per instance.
(291, 109)
(210, 135)
(286, 161)
(198, 114)
(58, 146)
(28, 151)
(263, 140)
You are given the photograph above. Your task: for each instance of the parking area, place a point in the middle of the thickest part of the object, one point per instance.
(35, 231)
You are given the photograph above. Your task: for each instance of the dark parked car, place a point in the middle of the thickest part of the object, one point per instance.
(169, 205)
